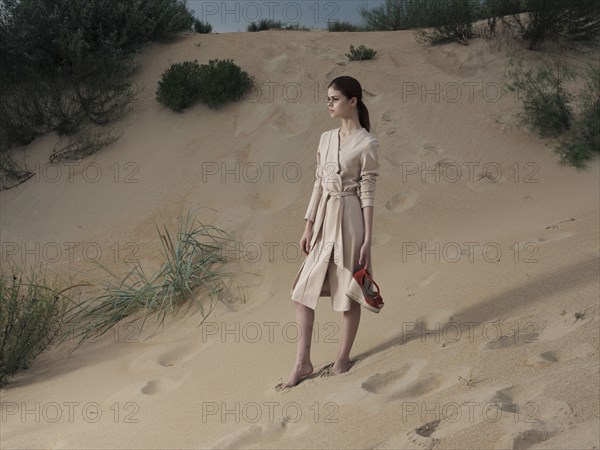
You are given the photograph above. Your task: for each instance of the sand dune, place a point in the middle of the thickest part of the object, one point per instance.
(479, 345)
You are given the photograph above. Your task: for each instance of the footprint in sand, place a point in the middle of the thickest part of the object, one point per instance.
(556, 418)
(420, 437)
(543, 359)
(179, 355)
(384, 126)
(383, 382)
(431, 326)
(164, 355)
(426, 384)
(528, 438)
(151, 387)
(156, 386)
(538, 419)
(408, 381)
(418, 388)
(253, 434)
(470, 409)
(504, 401)
(431, 151)
(403, 201)
(561, 355)
(579, 433)
(526, 335)
(485, 182)
(161, 385)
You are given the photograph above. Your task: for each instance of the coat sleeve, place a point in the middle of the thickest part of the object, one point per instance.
(369, 171)
(317, 191)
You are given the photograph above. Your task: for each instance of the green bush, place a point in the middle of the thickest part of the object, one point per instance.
(360, 53)
(66, 35)
(392, 15)
(202, 27)
(179, 86)
(65, 63)
(222, 81)
(215, 83)
(588, 124)
(31, 317)
(268, 24)
(494, 11)
(343, 26)
(545, 100)
(451, 20)
(556, 19)
(264, 24)
(296, 27)
(584, 139)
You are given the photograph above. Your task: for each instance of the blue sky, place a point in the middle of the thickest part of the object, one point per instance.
(229, 15)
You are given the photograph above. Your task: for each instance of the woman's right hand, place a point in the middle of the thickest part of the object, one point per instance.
(305, 240)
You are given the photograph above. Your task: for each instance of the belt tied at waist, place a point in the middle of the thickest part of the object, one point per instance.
(341, 194)
(331, 236)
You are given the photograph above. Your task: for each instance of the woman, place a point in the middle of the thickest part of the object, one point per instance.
(339, 223)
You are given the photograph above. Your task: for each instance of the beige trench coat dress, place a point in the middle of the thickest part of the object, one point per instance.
(345, 180)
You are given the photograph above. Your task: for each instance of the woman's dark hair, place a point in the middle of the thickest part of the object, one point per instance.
(350, 87)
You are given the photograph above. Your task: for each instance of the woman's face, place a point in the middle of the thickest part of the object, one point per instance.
(338, 105)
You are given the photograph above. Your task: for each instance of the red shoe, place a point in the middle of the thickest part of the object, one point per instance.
(361, 293)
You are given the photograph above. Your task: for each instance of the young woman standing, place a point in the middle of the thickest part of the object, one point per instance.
(339, 222)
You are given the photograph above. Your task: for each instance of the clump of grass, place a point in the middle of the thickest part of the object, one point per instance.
(31, 316)
(546, 105)
(337, 25)
(583, 141)
(265, 24)
(360, 53)
(202, 27)
(450, 20)
(270, 24)
(188, 266)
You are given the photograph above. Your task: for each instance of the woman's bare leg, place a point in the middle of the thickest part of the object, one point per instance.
(351, 321)
(305, 318)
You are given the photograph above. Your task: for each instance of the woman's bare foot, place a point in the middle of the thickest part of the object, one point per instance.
(300, 371)
(341, 366)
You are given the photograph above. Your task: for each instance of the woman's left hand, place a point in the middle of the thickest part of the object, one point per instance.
(365, 255)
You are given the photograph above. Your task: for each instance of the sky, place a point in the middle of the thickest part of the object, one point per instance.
(229, 15)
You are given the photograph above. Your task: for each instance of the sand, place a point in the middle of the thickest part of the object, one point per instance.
(489, 339)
